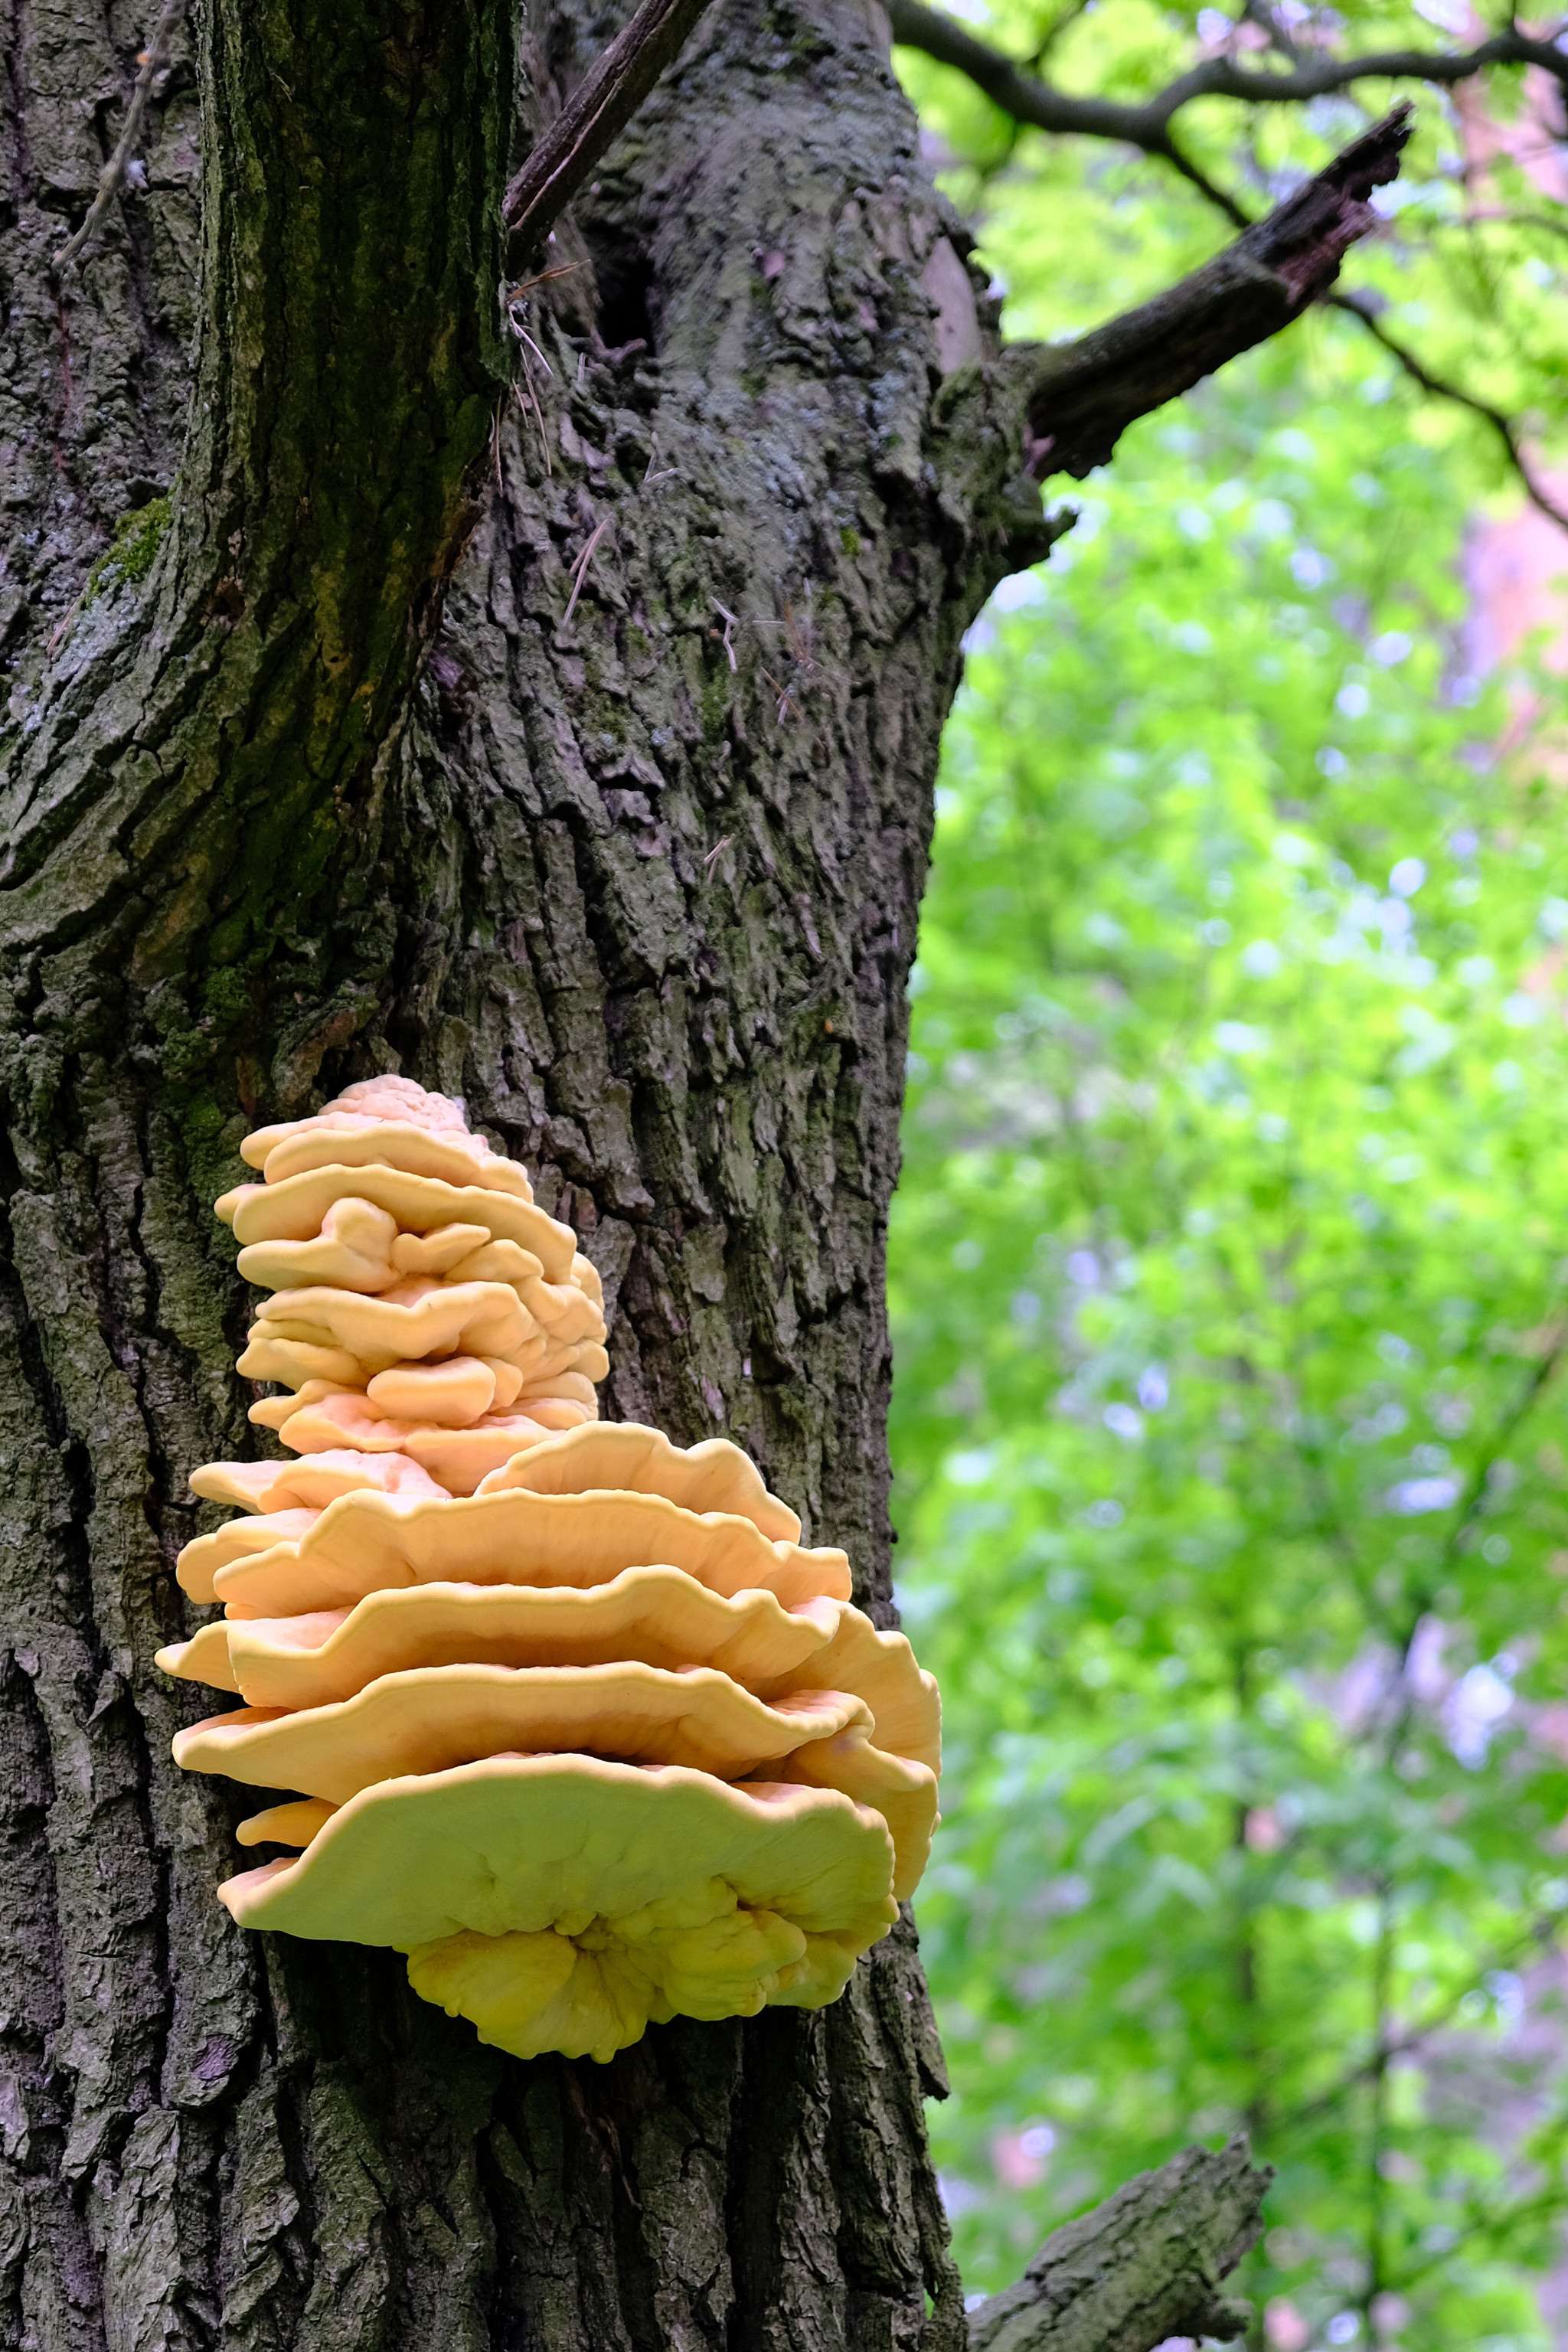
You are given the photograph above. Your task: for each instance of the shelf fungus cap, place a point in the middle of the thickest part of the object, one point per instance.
(296, 1209)
(658, 1615)
(335, 1421)
(368, 1542)
(431, 1718)
(663, 1892)
(713, 1476)
(391, 1122)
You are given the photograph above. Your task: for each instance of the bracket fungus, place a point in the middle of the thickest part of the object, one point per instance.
(565, 1713)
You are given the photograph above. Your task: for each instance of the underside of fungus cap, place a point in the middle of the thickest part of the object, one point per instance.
(594, 1995)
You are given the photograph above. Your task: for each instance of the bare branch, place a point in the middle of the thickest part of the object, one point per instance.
(597, 112)
(154, 59)
(1028, 98)
(1014, 89)
(1081, 396)
(1143, 2266)
(1501, 426)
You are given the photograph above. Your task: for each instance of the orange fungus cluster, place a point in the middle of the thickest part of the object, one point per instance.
(581, 1726)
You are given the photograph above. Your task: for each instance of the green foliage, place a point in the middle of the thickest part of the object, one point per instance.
(1230, 1280)
(129, 555)
(1230, 1262)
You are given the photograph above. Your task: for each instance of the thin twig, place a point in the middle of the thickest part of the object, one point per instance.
(1471, 1506)
(580, 569)
(155, 57)
(1542, 1933)
(1442, 390)
(524, 336)
(527, 384)
(731, 626)
(542, 277)
(1497, 216)
(786, 701)
(1049, 39)
(665, 474)
(1169, 152)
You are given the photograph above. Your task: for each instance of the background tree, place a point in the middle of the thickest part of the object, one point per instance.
(544, 699)
(1226, 1269)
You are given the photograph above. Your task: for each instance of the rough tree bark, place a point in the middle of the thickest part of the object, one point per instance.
(1144, 2267)
(569, 746)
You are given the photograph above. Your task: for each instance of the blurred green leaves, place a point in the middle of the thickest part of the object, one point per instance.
(1230, 1279)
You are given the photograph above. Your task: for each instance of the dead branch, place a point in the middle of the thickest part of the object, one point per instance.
(1081, 396)
(599, 109)
(155, 57)
(1028, 98)
(1145, 2265)
(1019, 92)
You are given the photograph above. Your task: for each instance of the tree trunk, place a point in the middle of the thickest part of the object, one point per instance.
(641, 884)
(568, 744)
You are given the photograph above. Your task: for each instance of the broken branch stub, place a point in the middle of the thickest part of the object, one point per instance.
(1081, 396)
(1145, 2265)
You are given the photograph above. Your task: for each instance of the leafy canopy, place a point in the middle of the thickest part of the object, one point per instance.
(1230, 1281)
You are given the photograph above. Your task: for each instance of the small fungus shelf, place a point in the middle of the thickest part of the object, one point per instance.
(574, 1720)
